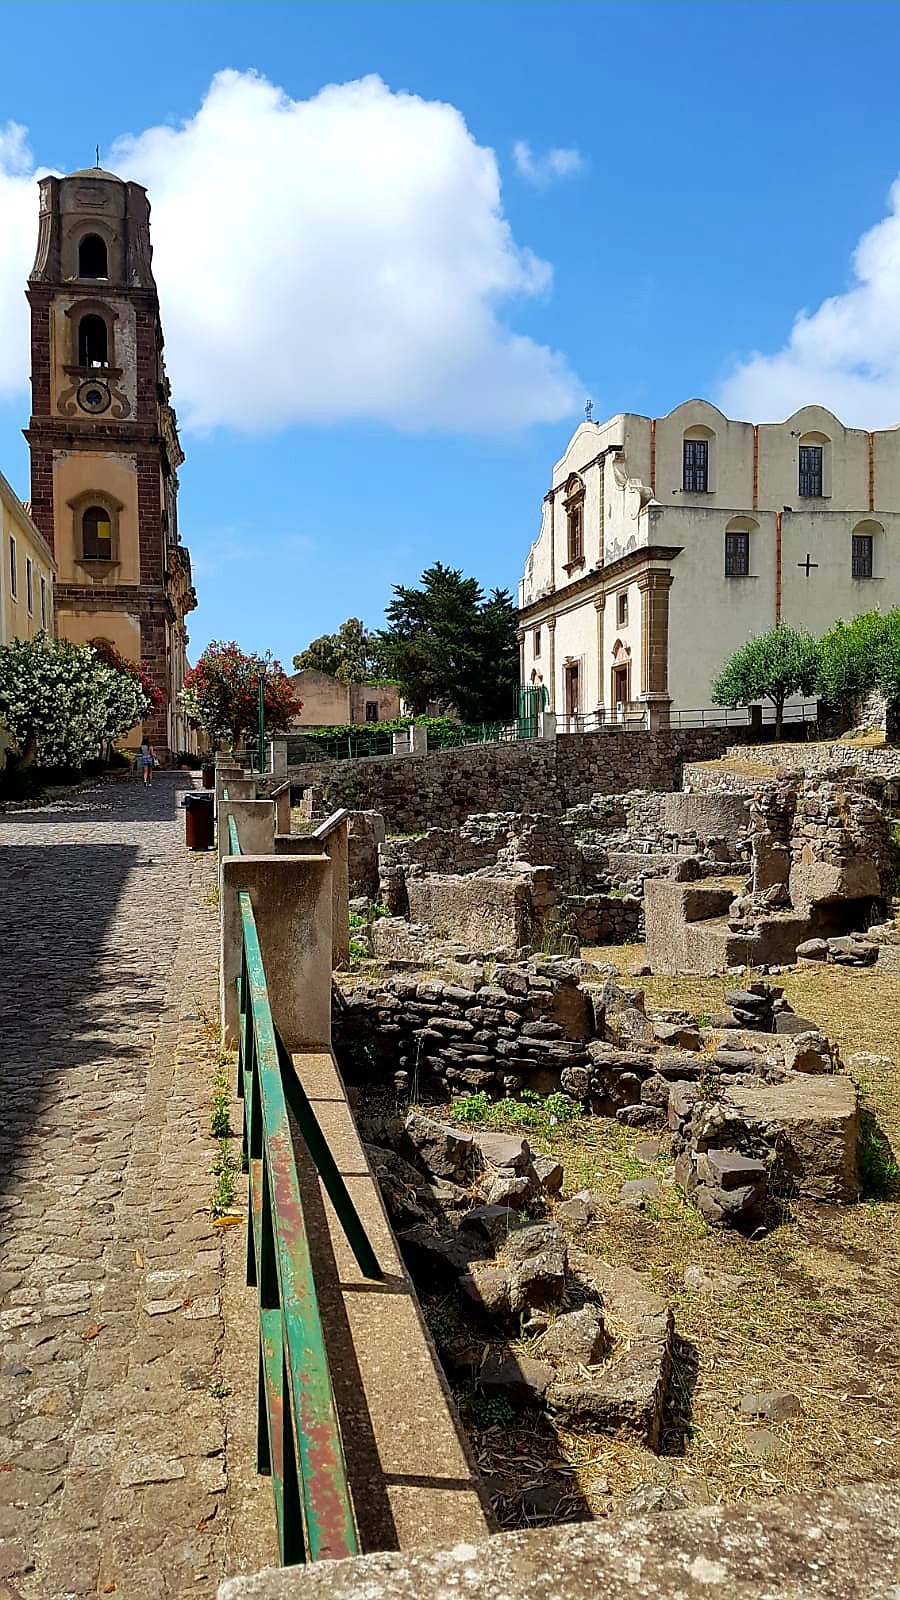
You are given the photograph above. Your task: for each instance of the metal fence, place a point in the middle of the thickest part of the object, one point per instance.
(298, 1434)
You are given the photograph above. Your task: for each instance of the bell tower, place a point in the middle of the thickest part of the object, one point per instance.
(103, 435)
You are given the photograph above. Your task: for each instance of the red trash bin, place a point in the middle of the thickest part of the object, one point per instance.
(198, 820)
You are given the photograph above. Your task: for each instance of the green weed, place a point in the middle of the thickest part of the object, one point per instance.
(489, 1410)
(531, 1112)
(879, 1173)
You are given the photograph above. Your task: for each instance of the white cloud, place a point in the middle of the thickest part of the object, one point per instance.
(549, 168)
(322, 260)
(845, 355)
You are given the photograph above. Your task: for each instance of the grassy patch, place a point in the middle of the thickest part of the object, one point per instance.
(544, 1115)
(224, 1169)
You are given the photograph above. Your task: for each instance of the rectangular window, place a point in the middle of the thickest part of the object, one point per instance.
(861, 560)
(44, 603)
(810, 484)
(622, 609)
(29, 585)
(537, 641)
(737, 555)
(371, 710)
(13, 572)
(695, 473)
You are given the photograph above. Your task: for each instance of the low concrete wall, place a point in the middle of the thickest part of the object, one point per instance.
(837, 1544)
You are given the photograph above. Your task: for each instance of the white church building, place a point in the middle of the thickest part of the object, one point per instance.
(667, 542)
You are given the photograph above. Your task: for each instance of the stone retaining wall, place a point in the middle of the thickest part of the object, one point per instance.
(518, 1026)
(446, 786)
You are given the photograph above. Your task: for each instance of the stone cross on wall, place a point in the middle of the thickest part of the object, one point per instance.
(807, 565)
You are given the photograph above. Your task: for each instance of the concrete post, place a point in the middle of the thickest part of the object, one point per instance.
(418, 740)
(255, 827)
(401, 742)
(278, 758)
(547, 727)
(755, 719)
(291, 899)
(332, 836)
(226, 773)
(281, 795)
(240, 788)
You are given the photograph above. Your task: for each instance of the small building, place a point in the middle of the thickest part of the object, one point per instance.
(667, 542)
(329, 703)
(27, 572)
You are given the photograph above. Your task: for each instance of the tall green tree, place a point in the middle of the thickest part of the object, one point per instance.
(779, 663)
(352, 655)
(448, 642)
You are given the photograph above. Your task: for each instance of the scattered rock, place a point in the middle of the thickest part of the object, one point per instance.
(578, 1212)
(575, 1337)
(637, 1192)
(494, 1223)
(434, 1254)
(441, 1149)
(639, 970)
(504, 1150)
(649, 1497)
(519, 1378)
(727, 1169)
(646, 1150)
(506, 1188)
(536, 1255)
(488, 1291)
(708, 1281)
(776, 1405)
(760, 1442)
(813, 950)
(550, 1172)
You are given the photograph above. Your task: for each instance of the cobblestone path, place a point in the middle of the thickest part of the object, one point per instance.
(112, 1433)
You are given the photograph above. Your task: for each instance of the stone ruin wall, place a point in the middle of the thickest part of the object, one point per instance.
(445, 787)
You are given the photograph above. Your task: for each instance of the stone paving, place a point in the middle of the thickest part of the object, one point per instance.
(112, 1429)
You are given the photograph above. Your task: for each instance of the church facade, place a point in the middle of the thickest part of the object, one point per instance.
(666, 543)
(103, 436)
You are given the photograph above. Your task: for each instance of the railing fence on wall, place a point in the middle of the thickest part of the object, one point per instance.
(298, 1434)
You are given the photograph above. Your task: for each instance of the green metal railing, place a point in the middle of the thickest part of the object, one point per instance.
(298, 1434)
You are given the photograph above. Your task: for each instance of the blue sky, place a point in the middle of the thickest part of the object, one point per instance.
(727, 161)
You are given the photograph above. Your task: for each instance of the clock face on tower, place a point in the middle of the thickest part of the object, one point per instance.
(93, 396)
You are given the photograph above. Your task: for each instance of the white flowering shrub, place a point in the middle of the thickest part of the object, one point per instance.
(61, 704)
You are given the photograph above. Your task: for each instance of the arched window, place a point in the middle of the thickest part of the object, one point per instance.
(574, 504)
(93, 342)
(814, 466)
(863, 545)
(92, 257)
(96, 534)
(737, 546)
(698, 461)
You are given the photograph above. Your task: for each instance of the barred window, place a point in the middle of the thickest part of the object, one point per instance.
(810, 484)
(737, 554)
(861, 557)
(695, 473)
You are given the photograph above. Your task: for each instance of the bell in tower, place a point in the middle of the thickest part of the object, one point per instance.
(103, 437)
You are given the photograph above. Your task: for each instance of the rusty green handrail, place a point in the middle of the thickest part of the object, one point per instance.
(233, 839)
(298, 1433)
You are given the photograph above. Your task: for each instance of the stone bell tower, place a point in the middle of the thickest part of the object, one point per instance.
(103, 436)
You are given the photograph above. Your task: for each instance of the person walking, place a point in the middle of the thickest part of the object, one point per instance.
(148, 762)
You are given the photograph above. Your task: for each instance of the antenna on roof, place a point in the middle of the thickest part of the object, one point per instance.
(97, 156)
(589, 410)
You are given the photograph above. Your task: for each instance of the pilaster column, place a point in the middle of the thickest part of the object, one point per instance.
(599, 607)
(521, 638)
(654, 589)
(551, 630)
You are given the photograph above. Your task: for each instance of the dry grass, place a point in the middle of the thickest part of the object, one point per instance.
(817, 1314)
